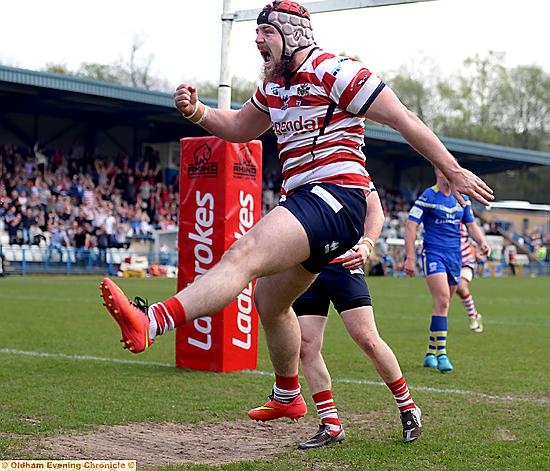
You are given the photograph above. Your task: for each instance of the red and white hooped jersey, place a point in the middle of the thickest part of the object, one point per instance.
(466, 248)
(318, 118)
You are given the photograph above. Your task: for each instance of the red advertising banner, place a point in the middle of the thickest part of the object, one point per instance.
(220, 200)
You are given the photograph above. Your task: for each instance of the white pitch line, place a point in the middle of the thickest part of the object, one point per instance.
(81, 357)
(462, 392)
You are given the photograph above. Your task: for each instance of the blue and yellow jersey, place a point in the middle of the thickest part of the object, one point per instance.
(441, 216)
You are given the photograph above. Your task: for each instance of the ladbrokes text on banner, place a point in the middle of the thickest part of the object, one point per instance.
(220, 200)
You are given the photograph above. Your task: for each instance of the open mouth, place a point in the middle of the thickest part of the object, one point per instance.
(266, 56)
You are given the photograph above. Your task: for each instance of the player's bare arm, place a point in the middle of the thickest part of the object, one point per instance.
(411, 229)
(374, 222)
(240, 125)
(475, 233)
(387, 109)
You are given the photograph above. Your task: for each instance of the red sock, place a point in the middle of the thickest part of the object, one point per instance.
(168, 315)
(469, 305)
(175, 308)
(401, 394)
(325, 408)
(286, 388)
(289, 383)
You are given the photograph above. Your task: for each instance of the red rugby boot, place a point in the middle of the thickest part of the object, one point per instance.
(273, 409)
(131, 317)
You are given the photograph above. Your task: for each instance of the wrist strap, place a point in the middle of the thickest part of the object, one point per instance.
(189, 116)
(201, 109)
(369, 241)
(204, 113)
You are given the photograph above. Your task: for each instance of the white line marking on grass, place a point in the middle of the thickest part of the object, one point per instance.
(534, 323)
(462, 392)
(83, 357)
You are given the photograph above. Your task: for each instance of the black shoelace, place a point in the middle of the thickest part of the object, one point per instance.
(141, 304)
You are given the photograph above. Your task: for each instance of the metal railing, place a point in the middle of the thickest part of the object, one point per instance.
(23, 260)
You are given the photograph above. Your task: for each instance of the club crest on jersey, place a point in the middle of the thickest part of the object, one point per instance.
(303, 89)
(285, 99)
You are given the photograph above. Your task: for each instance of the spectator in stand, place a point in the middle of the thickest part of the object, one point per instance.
(110, 219)
(120, 181)
(173, 211)
(15, 200)
(123, 211)
(131, 190)
(102, 242)
(145, 226)
(5, 200)
(23, 199)
(28, 220)
(145, 188)
(69, 211)
(40, 158)
(76, 190)
(87, 213)
(34, 203)
(29, 167)
(88, 195)
(36, 233)
(12, 221)
(44, 193)
(81, 242)
(120, 238)
(165, 223)
(101, 171)
(135, 222)
(58, 240)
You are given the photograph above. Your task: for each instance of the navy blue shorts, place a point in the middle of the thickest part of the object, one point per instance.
(333, 218)
(449, 262)
(347, 289)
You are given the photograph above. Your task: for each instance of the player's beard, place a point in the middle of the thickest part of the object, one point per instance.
(280, 70)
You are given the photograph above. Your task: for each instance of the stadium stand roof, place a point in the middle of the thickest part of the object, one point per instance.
(479, 157)
(48, 107)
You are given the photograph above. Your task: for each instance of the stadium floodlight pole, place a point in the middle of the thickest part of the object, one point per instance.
(321, 6)
(224, 87)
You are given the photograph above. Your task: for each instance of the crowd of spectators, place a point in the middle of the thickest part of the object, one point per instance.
(58, 200)
(83, 201)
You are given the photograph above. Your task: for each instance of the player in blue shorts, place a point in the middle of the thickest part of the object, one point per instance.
(441, 215)
(343, 283)
(316, 104)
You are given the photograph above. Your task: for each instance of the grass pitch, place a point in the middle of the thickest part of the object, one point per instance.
(62, 370)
